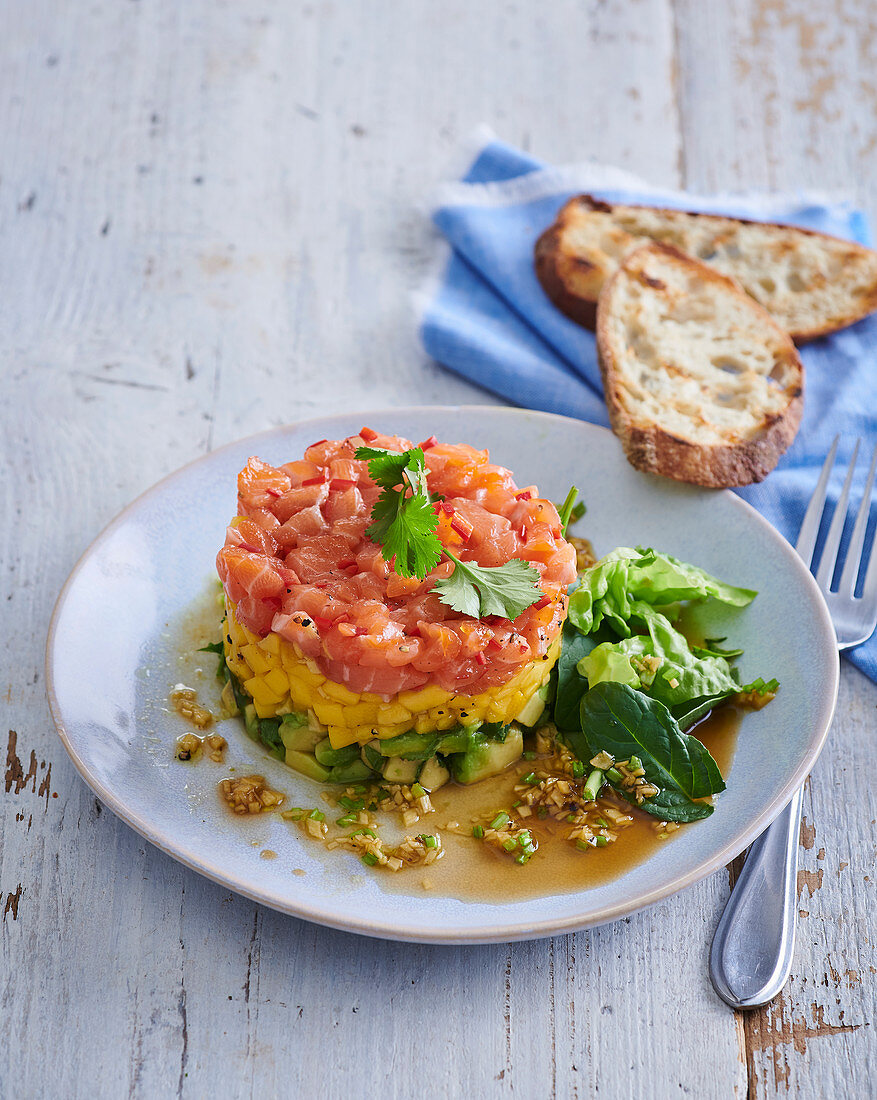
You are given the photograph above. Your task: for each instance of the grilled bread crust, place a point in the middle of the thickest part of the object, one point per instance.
(702, 385)
(812, 284)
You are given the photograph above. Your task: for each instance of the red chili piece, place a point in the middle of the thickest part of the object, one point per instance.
(461, 525)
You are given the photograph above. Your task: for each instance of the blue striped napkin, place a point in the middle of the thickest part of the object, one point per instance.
(490, 321)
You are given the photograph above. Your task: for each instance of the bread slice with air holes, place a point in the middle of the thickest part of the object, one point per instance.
(811, 283)
(701, 383)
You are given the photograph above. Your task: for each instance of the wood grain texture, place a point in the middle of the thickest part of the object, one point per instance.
(209, 224)
(785, 101)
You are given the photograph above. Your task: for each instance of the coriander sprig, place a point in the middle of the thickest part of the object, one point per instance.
(404, 525)
(479, 590)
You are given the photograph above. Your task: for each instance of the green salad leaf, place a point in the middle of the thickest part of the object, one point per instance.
(633, 595)
(629, 683)
(648, 577)
(691, 711)
(571, 684)
(661, 579)
(711, 648)
(624, 722)
(603, 594)
(219, 649)
(660, 662)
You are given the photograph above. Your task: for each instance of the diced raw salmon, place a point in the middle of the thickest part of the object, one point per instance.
(298, 561)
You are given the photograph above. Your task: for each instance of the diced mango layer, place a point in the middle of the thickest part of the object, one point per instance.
(281, 679)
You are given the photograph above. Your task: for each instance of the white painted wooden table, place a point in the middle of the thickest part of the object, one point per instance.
(208, 226)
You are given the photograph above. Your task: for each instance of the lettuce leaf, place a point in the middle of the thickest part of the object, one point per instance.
(633, 595)
(603, 594)
(659, 662)
(661, 579)
(609, 588)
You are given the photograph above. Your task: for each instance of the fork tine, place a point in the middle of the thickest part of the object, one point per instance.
(854, 553)
(810, 525)
(869, 588)
(832, 539)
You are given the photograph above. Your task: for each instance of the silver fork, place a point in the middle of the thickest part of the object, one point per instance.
(752, 949)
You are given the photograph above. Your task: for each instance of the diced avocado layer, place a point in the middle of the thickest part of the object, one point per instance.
(486, 758)
(433, 775)
(534, 709)
(307, 764)
(301, 738)
(469, 753)
(399, 770)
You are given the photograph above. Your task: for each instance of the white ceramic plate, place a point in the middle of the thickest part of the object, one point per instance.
(111, 657)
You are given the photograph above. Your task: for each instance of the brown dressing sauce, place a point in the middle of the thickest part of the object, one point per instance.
(474, 871)
(470, 869)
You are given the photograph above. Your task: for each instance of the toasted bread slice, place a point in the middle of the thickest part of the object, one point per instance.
(811, 283)
(701, 383)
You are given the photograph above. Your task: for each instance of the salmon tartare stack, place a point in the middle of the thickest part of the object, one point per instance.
(349, 666)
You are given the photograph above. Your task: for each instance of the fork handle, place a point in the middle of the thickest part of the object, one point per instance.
(752, 950)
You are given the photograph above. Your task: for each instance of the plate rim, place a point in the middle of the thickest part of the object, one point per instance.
(460, 934)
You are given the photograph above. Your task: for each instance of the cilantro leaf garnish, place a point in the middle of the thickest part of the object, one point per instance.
(406, 531)
(404, 525)
(478, 590)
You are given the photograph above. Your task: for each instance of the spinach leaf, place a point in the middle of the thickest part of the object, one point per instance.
(571, 686)
(269, 735)
(240, 696)
(623, 722)
(686, 714)
(671, 805)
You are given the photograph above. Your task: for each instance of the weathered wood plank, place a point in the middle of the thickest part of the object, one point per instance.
(779, 94)
(209, 227)
(816, 1038)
